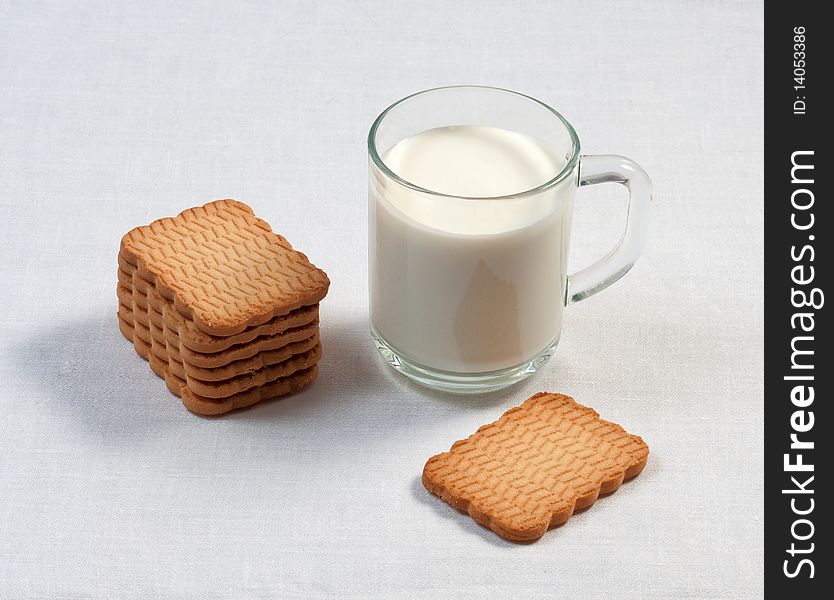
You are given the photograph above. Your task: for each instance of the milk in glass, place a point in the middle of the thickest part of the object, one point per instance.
(465, 276)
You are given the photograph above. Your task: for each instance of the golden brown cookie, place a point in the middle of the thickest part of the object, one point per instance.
(534, 466)
(223, 267)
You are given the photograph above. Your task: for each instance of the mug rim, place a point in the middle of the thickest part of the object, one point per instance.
(572, 161)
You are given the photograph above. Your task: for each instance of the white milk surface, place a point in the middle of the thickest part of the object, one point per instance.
(470, 284)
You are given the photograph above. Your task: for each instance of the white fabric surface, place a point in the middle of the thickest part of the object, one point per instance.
(115, 113)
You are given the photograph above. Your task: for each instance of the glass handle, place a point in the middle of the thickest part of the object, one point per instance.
(610, 168)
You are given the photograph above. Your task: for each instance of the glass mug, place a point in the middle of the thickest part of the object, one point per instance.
(468, 275)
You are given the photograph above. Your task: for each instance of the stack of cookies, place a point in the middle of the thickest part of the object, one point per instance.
(225, 310)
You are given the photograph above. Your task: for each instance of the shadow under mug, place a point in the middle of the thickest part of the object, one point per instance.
(465, 310)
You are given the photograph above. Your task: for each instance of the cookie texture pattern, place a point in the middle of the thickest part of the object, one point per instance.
(223, 267)
(533, 467)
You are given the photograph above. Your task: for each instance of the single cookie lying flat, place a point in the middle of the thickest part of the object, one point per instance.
(534, 466)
